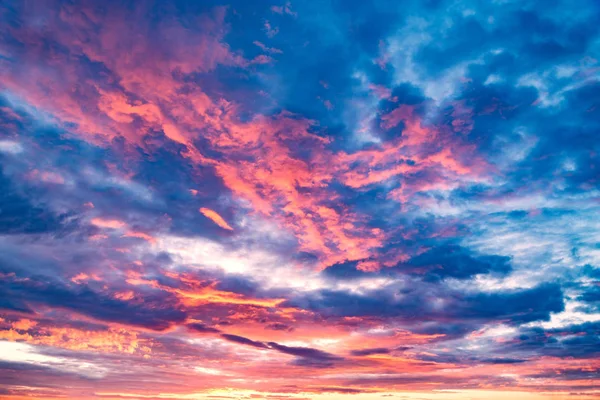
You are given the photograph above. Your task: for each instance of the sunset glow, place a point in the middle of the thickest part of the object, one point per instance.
(306, 200)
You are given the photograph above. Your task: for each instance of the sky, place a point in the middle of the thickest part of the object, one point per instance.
(305, 200)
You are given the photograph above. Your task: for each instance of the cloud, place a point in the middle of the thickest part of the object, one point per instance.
(243, 340)
(305, 356)
(369, 352)
(159, 310)
(304, 352)
(299, 197)
(216, 218)
(445, 309)
(455, 262)
(19, 215)
(201, 328)
(10, 147)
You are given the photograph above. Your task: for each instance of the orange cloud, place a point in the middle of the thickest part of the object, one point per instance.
(113, 340)
(256, 158)
(216, 218)
(140, 235)
(108, 223)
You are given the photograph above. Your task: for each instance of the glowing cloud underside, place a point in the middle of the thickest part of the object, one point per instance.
(216, 218)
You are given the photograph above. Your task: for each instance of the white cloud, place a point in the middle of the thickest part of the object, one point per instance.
(552, 84)
(28, 354)
(493, 78)
(10, 147)
(271, 269)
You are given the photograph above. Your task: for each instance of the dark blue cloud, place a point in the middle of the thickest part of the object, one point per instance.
(519, 306)
(305, 356)
(440, 262)
(304, 352)
(19, 215)
(244, 341)
(158, 311)
(201, 328)
(461, 312)
(451, 261)
(578, 341)
(368, 352)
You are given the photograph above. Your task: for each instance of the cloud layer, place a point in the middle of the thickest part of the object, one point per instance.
(304, 200)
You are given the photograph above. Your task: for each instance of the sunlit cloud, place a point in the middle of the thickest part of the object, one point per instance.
(299, 200)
